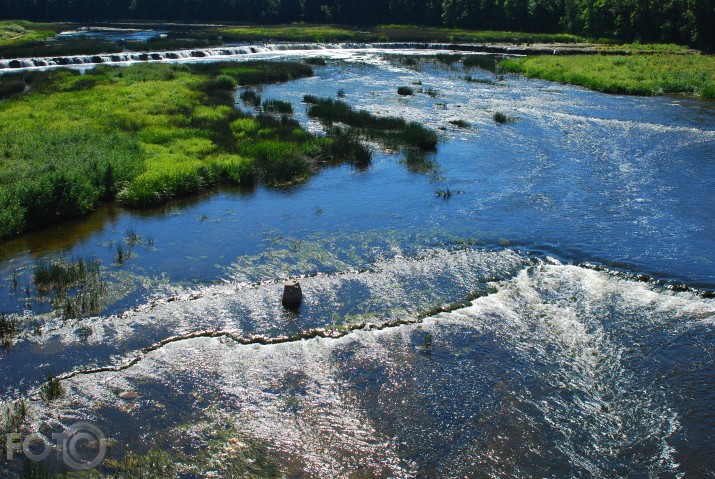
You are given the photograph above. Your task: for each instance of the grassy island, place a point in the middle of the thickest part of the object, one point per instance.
(144, 134)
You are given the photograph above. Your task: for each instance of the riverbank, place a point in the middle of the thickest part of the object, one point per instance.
(654, 74)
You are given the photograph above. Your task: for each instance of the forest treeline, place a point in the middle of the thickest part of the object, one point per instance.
(688, 22)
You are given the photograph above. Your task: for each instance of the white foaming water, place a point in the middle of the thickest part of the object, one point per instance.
(224, 52)
(551, 372)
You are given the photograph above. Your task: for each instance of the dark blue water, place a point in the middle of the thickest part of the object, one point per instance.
(554, 370)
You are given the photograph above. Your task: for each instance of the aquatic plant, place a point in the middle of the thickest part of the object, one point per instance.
(391, 131)
(130, 236)
(405, 91)
(278, 106)
(502, 118)
(484, 81)
(59, 275)
(443, 193)
(120, 255)
(345, 145)
(52, 388)
(316, 61)
(310, 99)
(460, 123)
(8, 329)
(250, 98)
(416, 161)
(341, 93)
(427, 345)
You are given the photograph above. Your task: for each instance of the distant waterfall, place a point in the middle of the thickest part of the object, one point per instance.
(221, 52)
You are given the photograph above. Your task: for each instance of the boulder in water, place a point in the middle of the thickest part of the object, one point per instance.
(292, 294)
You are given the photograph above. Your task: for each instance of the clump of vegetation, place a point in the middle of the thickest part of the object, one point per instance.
(632, 75)
(60, 275)
(345, 145)
(427, 346)
(431, 92)
(52, 388)
(484, 81)
(341, 93)
(224, 82)
(502, 118)
(485, 62)
(250, 98)
(391, 131)
(278, 106)
(311, 99)
(405, 91)
(8, 329)
(443, 193)
(460, 123)
(76, 285)
(416, 161)
(316, 61)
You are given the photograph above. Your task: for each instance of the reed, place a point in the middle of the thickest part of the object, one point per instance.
(52, 389)
(60, 275)
(278, 106)
(250, 98)
(391, 131)
(9, 327)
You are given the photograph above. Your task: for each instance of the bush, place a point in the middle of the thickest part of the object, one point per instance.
(405, 91)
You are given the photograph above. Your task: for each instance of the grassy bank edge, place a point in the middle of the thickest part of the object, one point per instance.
(649, 75)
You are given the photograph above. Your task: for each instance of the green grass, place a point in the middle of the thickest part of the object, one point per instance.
(16, 32)
(653, 74)
(144, 134)
(297, 33)
(386, 33)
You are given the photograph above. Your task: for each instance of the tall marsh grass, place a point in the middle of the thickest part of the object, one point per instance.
(390, 130)
(632, 75)
(144, 134)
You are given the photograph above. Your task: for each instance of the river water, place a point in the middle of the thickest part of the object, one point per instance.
(562, 348)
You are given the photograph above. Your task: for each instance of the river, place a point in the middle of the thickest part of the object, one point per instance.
(551, 317)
